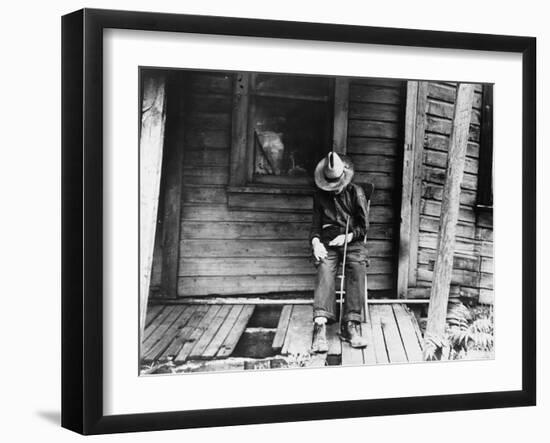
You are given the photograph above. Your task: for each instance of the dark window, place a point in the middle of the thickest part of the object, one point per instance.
(485, 173)
(290, 127)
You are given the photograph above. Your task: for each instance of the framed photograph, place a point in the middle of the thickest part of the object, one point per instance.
(270, 221)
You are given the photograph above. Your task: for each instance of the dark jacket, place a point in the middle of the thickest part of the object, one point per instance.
(330, 211)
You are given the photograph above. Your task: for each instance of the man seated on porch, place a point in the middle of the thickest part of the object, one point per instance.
(336, 200)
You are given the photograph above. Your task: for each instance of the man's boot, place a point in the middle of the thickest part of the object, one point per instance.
(320, 343)
(351, 332)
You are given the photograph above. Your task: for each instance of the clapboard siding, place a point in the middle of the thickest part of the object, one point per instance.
(373, 129)
(364, 92)
(464, 262)
(243, 284)
(437, 175)
(446, 92)
(200, 138)
(204, 157)
(265, 231)
(440, 142)
(446, 110)
(375, 144)
(378, 214)
(205, 175)
(439, 160)
(472, 261)
(200, 248)
(382, 113)
(212, 267)
(442, 126)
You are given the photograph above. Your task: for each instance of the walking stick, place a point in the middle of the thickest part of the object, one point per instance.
(343, 276)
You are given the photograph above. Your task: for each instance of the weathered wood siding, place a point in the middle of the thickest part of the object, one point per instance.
(243, 242)
(224, 250)
(473, 260)
(375, 144)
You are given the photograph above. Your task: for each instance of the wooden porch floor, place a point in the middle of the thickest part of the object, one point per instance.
(186, 333)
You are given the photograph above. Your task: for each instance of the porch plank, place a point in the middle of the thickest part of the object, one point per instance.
(225, 328)
(377, 335)
(282, 328)
(354, 356)
(351, 356)
(169, 334)
(408, 333)
(369, 354)
(161, 330)
(394, 345)
(157, 321)
(317, 361)
(230, 342)
(196, 334)
(184, 333)
(152, 312)
(211, 329)
(334, 342)
(417, 330)
(300, 331)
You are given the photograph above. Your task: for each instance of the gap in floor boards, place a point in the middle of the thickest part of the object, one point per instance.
(255, 343)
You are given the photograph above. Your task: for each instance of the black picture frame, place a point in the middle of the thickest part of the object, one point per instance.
(82, 218)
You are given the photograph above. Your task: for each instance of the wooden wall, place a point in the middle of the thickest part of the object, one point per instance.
(259, 242)
(473, 260)
(375, 144)
(222, 250)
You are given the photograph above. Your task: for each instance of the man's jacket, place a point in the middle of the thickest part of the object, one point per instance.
(330, 211)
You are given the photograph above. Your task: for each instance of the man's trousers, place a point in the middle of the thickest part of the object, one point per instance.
(324, 304)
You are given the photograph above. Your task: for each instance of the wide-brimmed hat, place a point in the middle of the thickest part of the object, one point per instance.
(333, 173)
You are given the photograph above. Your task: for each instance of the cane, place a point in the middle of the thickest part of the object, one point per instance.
(343, 276)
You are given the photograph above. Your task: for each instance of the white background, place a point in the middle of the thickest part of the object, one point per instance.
(30, 222)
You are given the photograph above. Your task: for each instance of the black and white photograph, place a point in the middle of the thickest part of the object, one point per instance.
(291, 220)
(275, 221)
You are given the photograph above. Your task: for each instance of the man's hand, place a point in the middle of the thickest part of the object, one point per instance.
(341, 239)
(319, 250)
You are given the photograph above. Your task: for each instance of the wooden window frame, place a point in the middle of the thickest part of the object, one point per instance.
(241, 170)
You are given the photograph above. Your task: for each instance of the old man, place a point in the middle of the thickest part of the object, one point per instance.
(338, 202)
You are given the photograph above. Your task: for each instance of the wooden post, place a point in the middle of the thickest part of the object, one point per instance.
(439, 295)
(415, 123)
(406, 190)
(416, 197)
(151, 142)
(172, 186)
(341, 109)
(239, 130)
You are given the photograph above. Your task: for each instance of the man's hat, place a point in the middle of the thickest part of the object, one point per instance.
(333, 173)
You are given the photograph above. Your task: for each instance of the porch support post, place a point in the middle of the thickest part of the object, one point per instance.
(153, 116)
(172, 187)
(439, 295)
